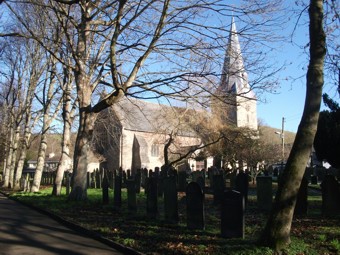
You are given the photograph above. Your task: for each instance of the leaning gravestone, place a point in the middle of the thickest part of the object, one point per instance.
(131, 194)
(195, 206)
(170, 199)
(264, 190)
(301, 205)
(117, 195)
(330, 195)
(151, 197)
(232, 215)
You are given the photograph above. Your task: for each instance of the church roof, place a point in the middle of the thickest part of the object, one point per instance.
(145, 116)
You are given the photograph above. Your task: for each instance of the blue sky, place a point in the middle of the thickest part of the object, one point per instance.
(288, 102)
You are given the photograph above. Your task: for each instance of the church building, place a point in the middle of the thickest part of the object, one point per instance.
(133, 133)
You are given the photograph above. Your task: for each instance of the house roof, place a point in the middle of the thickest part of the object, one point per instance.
(145, 116)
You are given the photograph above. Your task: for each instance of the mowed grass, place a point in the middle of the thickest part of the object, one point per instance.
(311, 234)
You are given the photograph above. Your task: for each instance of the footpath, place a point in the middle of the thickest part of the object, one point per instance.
(25, 231)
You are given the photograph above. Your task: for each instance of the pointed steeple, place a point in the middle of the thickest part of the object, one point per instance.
(234, 85)
(234, 77)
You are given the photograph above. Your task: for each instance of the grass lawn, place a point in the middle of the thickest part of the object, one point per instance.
(311, 234)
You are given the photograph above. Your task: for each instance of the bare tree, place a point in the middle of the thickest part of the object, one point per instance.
(49, 114)
(156, 49)
(277, 230)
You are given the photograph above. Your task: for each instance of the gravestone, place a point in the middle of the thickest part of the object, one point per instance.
(151, 197)
(105, 188)
(93, 180)
(242, 185)
(88, 180)
(144, 175)
(264, 191)
(314, 179)
(98, 179)
(232, 215)
(195, 175)
(182, 181)
(138, 178)
(170, 199)
(131, 194)
(233, 179)
(302, 198)
(218, 188)
(117, 195)
(201, 182)
(330, 195)
(195, 206)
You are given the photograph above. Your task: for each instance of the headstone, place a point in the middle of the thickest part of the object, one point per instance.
(138, 178)
(105, 188)
(264, 191)
(88, 180)
(218, 188)
(152, 197)
(195, 206)
(232, 215)
(302, 198)
(182, 181)
(117, 195)
(170, 199)
(131, 194)
(201, 182)
(233, 179)
(330, 195)
(98, 179)
(314, 179)
(242, 185)
(195, 175)
(160, 188)
(144, 175)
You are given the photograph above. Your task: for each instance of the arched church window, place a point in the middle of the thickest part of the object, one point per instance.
(154, 150)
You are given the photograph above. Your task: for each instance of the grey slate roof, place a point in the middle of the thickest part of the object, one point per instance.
(145, 116)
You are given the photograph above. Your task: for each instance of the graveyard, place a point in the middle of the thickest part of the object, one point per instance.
(200, 213)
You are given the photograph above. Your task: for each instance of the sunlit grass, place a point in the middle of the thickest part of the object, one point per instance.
(136, 230)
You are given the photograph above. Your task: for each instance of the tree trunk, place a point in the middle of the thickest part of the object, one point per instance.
(14, 157)
(82, 146)
(40, 162)
(65, 160)
(277, 231)
(9, 155)
(23, 152)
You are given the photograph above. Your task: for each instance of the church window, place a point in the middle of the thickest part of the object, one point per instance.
(154, 150)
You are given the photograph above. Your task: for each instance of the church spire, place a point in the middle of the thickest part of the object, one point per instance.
(234, 86)
(234, 77)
